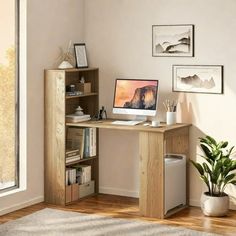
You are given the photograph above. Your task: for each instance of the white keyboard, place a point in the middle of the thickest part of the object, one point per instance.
(126, 122)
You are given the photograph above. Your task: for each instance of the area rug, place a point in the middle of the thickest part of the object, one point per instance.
(62, 223)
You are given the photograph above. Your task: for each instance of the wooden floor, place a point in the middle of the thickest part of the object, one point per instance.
(124, 207)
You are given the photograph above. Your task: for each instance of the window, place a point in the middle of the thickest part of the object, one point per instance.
(9, 170)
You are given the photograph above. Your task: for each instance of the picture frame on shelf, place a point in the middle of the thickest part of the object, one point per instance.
(173, 40)
(197, 79)
(80, 55)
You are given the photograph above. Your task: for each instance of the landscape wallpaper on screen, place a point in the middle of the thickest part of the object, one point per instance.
(136, 94)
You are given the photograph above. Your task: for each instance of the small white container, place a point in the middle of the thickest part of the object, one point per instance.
(170, 118)
(155, 123)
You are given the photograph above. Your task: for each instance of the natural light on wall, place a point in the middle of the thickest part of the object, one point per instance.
(8, 95)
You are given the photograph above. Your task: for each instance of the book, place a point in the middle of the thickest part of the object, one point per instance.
(94, 141)
(75, 139)
(67, 177)
(70, 176)
(72, 159)
(83, 174)
(76, 118)
(90, 142)
(86, 142)
(72, 152)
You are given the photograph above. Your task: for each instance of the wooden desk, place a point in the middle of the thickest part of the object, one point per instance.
(154, 143)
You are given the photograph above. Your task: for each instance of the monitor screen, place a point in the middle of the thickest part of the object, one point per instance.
(135, 97)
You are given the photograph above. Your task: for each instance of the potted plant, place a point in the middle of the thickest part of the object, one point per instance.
(216, 172)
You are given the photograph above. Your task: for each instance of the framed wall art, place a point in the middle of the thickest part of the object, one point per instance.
(198, 78)
(173, 40)
(80, 55)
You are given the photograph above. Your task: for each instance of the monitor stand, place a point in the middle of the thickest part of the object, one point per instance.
(141, 118)
(138, 119)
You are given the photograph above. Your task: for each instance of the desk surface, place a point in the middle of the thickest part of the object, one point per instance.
(107, 124)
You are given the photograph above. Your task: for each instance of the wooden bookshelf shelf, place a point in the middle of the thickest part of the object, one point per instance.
(82, 95)
(57, 106)
(73, 70)
(81, 160)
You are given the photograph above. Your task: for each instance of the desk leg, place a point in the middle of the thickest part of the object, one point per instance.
(151, 167)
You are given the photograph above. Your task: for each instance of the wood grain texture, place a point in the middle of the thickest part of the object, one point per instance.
(57, 105)
(128, 208)
(107, 124)
(151, 194)
(54, 137)
(177, 141)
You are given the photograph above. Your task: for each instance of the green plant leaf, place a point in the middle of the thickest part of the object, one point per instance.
(229, 177)
(198, 167)
(233, 165)
(207, 152)
(233, 182)
(229, 152)
(206, 168)
(211, 162)
(207, 182)
(205, 142)
(211, 140)
(216, 173)
(222, 144)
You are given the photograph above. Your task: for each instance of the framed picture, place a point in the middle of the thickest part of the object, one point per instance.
(173, 40)
(198, 79)
(80, 55)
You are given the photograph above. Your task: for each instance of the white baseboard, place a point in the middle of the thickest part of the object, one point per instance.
(117, 191)
(21, 205)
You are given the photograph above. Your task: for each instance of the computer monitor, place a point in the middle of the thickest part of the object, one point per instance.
(135, 97)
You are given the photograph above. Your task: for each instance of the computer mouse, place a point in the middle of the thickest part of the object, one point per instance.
(146, 124)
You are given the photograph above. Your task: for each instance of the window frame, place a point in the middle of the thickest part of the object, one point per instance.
(17, 100)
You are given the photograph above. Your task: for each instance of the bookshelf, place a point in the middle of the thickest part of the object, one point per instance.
(57, 105)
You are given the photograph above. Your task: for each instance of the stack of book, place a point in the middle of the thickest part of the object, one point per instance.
(83, 174)
(83, 139)
(75, 139)
(70, 176)
(77, 118)
(72, 155)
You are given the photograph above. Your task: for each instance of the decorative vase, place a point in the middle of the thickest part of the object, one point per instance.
(79, 111)
(65, 65)
(214, 206)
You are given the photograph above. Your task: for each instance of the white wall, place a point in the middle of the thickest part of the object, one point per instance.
(118, 34)
(50, 24)
(118, 38)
